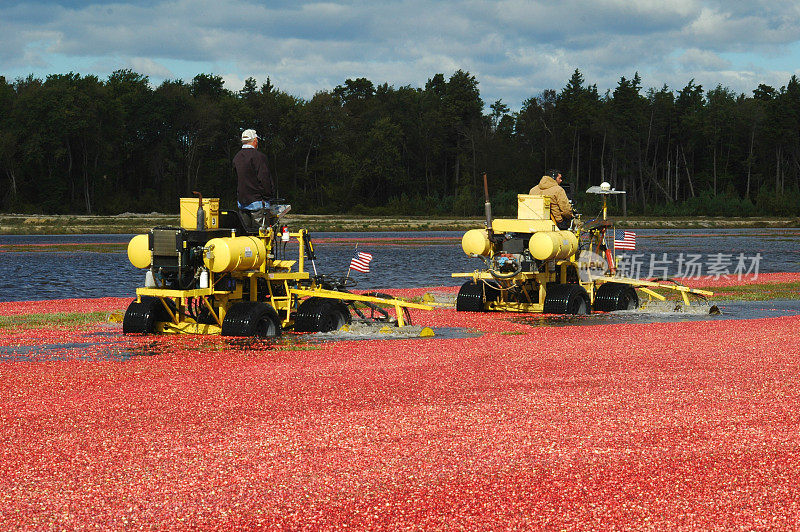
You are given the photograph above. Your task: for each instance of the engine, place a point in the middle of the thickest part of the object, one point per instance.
(541, 245)
(174, 255)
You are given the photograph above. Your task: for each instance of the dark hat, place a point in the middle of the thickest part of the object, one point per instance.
(554, 173)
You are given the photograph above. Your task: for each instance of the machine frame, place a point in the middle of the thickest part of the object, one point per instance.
(229, 281)
(557, 272)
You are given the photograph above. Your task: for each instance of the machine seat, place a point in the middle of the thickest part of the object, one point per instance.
(246, 223)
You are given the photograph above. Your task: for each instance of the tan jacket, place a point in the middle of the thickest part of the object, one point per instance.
(559, 204)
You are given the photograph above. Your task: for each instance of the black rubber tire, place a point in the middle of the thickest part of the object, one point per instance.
(566, 299)
(492, 293)
(304, 317)
(141, 316)
(579, 304)
(317, 314)
(605, 298)
(251, 318)
(615, 296)
(471, 297)
(556, 298)
(338, 315)
(629, 299)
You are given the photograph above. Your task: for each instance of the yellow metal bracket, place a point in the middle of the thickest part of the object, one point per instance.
(653, 294)
(188, 327)
(211, 309)
(398, 304)
(172, 315)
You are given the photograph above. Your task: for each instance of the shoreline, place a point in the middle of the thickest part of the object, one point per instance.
(32, 224)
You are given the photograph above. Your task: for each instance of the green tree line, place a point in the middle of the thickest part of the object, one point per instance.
(80, 144)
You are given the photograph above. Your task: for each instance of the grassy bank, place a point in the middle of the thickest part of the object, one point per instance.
(23, 224)
(756, 292)
(16, 224)
(69, 320)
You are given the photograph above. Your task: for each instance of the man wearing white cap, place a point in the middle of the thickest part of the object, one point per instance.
(254, 185)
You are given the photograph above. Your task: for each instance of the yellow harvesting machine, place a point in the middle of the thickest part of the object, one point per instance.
(216, 275)
(530, 265)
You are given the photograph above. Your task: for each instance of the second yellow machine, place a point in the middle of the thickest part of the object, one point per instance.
(530, 265)
(212, 275)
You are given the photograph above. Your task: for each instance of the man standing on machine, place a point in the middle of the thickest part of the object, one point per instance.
(254, 184)
(560, 208)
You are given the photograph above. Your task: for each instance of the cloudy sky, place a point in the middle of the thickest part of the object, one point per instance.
(515, 48)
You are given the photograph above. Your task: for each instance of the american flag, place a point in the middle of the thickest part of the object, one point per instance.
(628, 241)
(360, 262)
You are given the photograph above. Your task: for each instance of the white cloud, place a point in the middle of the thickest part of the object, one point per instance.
(150, 68)
(515, 48)
(723, 29)
(703, 60)
(563, 22)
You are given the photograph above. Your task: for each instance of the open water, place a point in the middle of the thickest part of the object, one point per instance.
(401, 259)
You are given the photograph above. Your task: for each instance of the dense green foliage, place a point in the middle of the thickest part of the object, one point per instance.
(73, 144)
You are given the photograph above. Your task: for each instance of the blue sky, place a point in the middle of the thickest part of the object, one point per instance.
(515, 48)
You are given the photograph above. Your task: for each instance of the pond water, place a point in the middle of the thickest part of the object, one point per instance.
(401, 259)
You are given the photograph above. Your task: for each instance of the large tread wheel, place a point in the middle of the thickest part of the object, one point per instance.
(579, 303)
(628, 299)
(141, 316)
(472, 296)
(251, 318)
(317, 314)
(615, 296)
(566, 299)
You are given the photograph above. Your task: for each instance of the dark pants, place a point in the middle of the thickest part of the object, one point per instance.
(253, 220)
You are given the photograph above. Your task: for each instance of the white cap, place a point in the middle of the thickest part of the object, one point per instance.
(249, 135)
(605, 185)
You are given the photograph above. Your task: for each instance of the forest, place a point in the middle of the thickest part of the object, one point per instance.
(73, 144)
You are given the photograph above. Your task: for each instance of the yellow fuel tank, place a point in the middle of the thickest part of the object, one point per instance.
(475, 242)
(234, 254)
(546, 245)
(139, 251)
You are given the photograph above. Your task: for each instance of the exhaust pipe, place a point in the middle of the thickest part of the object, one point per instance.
(487, 208)
(201, 214)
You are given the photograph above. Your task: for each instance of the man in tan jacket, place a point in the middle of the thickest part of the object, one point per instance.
(560, 208)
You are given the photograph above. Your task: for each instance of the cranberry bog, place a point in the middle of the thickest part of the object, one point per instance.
(508, 425)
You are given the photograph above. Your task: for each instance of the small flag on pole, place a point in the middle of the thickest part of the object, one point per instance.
(360, 262)
(628, 241)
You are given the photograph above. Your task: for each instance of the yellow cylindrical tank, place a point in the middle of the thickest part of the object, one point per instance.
(546, 245)
(475, 242)
(139, 251)
(234, 253)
